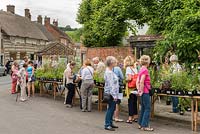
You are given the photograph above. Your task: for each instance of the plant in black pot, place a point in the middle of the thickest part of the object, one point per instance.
(101, 81)
(166, 87)
(184, 104)
(156, 87)
(155, 83)
(197, 90)
(177, 80)
(191, 89)
(39, 73)
(96, 79)
(165, 82)
(195, 82)
(51, 76)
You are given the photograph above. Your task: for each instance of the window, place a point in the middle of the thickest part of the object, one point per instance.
(1, 44)
(1, 59)
(32, 57)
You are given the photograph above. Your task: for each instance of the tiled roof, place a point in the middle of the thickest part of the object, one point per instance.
(16, 25)
(62, 34)
(45, 31)
(145, 38)
(56, 48)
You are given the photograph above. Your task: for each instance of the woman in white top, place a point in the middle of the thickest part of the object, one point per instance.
(87, 86)
(132, 98)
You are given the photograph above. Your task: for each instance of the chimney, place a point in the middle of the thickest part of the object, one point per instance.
(11, 9)
(47, 20)
(27, 13)
(55, 23)
(39, 19)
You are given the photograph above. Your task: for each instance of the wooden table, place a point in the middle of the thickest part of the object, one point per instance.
(55, 87)
(195, 118)
(100, 98)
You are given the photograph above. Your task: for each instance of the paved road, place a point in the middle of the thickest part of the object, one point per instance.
(43, 115)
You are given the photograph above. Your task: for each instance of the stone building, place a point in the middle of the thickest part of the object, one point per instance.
(19, 36)
(55, 37)
(58, 34)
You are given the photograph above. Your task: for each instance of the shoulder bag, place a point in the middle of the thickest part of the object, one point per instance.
(107, 97)
(132, 82)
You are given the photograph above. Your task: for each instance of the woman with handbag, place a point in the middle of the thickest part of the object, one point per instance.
(111, 88)
(87, 86)
(131, 77)
(144, 87)
(31, 79)
(117, 70)
(14, 76)
(68, 78)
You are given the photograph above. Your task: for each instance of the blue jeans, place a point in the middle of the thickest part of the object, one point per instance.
(109, 113)
(145, 110)
(175, 102)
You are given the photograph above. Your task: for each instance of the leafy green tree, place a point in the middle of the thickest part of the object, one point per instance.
(75, 35)
(181, 29)
(106, 21)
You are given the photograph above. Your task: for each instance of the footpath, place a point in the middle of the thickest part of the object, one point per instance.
(162, 111)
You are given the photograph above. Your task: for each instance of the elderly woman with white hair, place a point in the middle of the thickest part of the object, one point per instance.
(174, 68)
(111, 87)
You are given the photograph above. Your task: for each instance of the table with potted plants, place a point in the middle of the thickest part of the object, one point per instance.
(184, 86)
(195, 118)
(51, 76)
(55, 84)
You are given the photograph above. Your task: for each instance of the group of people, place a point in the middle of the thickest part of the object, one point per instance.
(136, 73)
(86, 84)
(22, 76)
(139, 72)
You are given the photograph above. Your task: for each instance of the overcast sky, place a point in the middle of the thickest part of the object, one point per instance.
(63, 10)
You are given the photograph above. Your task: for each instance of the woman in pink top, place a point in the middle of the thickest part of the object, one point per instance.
(143, 86)
(14, 76)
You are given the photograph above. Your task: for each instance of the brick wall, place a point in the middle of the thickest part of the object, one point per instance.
(119, 52)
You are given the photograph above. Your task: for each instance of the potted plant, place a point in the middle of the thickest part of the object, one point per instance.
(184, 104)
(165, 77)
(95, 76)
(101, 81)
(177, 80)
(189, 86)
(38, 74)
(155, 83)
(195, 83)
(198, 90)
(156, 87)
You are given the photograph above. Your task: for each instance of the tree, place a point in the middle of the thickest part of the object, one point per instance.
(106, 21)
(68, 28)
(75, 35)
(181, 29)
